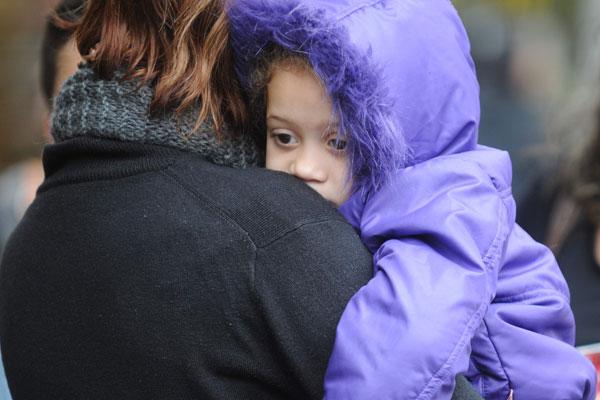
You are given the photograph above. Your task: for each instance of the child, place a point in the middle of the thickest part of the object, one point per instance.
(374, 104)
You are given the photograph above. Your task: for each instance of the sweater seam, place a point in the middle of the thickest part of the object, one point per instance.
(230, 221)
(281, 237)
(297, 227)
(233, 223)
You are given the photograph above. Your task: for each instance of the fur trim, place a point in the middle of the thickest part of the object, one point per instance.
(360, 98)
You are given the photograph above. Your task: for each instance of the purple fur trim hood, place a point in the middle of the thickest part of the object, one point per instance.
(399, 73)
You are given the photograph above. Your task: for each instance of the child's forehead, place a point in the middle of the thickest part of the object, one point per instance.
(299, 96)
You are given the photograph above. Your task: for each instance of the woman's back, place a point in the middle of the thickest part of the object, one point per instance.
(154, 274)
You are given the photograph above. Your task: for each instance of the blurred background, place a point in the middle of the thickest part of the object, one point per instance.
(21, 104)
(528, 56)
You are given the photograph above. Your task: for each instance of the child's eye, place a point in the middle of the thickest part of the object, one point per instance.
(283, 138)
(337, 144)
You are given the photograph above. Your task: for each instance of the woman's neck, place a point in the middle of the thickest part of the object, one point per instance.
(120, 109)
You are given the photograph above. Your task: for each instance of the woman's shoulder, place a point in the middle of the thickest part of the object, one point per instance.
(266, 204)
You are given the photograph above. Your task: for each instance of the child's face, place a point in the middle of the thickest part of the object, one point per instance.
(301, 138)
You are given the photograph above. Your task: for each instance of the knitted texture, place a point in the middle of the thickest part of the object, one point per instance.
(119, 109)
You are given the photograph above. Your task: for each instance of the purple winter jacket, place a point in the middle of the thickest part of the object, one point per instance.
(458, 287)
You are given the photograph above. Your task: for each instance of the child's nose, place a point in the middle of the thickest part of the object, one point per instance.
(308, 166)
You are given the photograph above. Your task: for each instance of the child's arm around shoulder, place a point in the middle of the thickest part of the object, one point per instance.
(439, 232)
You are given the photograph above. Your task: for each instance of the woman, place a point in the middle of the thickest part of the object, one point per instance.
(147, 267)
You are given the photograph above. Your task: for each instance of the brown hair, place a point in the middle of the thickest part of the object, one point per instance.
(180, 46)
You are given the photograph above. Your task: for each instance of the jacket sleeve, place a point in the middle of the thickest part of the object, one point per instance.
(453, 273)
(525, 342)
(438, 231)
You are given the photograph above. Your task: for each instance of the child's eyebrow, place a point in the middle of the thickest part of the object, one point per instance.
(279, 118)
(332, 127)
(291, 121)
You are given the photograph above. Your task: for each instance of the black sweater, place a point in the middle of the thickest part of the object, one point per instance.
(143, 272)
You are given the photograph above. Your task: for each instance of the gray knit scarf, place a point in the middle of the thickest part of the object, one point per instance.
(119, 109)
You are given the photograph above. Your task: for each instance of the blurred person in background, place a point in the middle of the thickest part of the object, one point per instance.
(563, 207)
(520, 51)
(59, 59)
(507, 122)
(18, 184)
